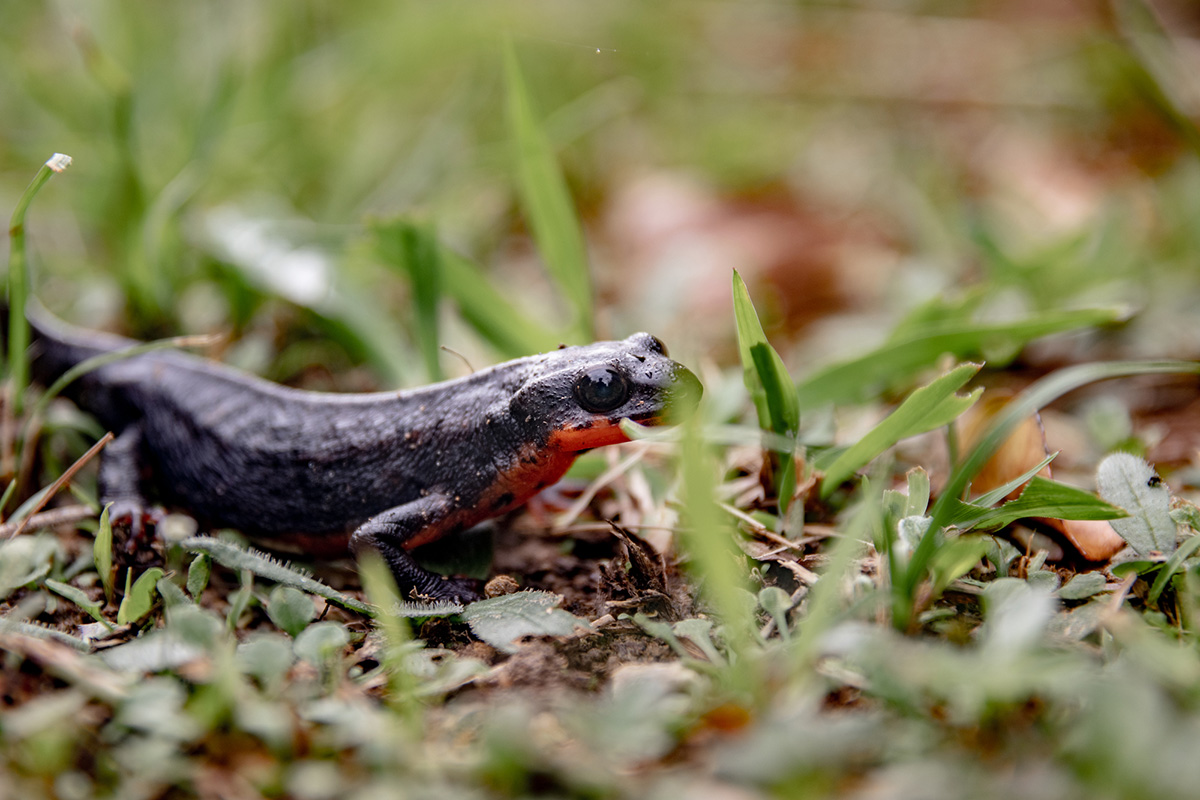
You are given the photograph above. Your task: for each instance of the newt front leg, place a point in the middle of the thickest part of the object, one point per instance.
(390, 534)
(119, 484)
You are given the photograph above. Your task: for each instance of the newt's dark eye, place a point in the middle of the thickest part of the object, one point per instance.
(601, 389)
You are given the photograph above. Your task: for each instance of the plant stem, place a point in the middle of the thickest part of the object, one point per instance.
(18, 280)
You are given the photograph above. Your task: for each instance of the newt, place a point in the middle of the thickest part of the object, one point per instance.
(381, 471)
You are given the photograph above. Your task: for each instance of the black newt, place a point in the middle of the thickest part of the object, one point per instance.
(384, 471)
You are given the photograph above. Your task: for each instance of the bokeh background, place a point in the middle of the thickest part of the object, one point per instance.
(852, 160)
(272, 170)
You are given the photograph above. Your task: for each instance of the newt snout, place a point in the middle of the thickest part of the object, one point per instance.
(579, 405)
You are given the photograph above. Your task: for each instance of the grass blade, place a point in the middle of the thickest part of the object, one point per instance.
(929, 407)
(415, 250)
(547, 202)
(1171, 567)
(102, 553)
(856, 380)
(1041, 498)
(714, 556)
(763, 370)
(770, 386)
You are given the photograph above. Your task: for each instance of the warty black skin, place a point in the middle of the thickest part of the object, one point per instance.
(390, 470)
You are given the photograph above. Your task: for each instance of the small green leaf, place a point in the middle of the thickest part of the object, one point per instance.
(777, 603)
(956, 558)
(989, 499)
(102, 553)
(546, 201)
(918, 492)
(1173, 565)
(78, 597)
(1041, 498)
(320, 643)
(929, 407)
(240, 600)
(1083, 586)
(1187, 514)
(266, 656)
(139, 598)
(1130, 483)
(25, 560)
(501, 621)
(171, 594)
(198, 573)
(290, 609)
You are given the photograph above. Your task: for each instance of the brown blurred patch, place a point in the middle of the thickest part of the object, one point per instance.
(675, 243)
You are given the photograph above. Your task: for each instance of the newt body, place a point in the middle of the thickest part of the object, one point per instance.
(383, 471)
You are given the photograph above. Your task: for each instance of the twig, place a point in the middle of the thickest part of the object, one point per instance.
(49, 519)
(609, 475)
(63, 480)
(65, 663)
(8, 434)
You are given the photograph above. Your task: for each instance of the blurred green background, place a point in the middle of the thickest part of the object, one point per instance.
(853, 160)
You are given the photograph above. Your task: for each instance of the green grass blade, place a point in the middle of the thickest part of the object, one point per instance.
(709, 542)
(1171, 567)
(414, 249)
(929, 407)
(896, 360)
(490, 313)
(18, 280)
(770, 386)
(547, 202)
(763, 371)
(1041, 498)
(138, 598)
(102, 553)
(380, 587)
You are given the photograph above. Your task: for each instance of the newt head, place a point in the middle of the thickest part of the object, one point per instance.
(576, 397)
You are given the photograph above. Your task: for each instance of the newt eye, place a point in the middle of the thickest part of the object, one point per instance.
(601, 389)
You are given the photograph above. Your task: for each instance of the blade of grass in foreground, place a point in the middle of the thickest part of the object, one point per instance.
(381, 590)
(18, 280)
(547, 202)
(1035, 397)
(714, 557)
